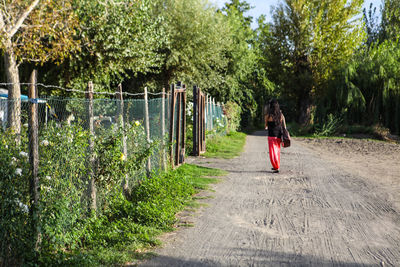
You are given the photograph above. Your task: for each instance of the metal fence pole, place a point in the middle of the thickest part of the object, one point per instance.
(163, 159)
(121, 122)
(91, 158)
(172, 121)
(183, 146)
(147, 126)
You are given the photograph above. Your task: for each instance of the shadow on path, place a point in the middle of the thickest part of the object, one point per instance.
(253, 257)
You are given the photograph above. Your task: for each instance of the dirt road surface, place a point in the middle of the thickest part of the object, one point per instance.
(334, 203)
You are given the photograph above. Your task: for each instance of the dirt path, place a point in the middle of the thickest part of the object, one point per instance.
(318, 211)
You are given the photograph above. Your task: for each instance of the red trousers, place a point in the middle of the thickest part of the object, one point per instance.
(274, 145)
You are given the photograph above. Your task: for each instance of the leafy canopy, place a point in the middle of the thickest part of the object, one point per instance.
(46, 34)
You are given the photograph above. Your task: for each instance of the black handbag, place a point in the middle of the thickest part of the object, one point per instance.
(285, 137)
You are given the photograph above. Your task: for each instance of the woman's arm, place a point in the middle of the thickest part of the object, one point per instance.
(266, 122)
(283, 121)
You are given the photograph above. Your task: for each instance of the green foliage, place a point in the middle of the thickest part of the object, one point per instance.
(233, 112)
(120, 38)
(62, 170)
(189, 22)
(296, 129)
(15, 234)
(63, 176)
(390, 20)
(227, 147)
(200, 177)
(129, 226)
(310, 39)
(70, 235)
(366, 91)
(40, 39)
(329, 127)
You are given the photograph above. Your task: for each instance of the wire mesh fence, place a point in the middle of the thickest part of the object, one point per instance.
(128, 139)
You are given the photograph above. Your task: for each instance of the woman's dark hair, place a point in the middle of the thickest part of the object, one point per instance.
(274, 111)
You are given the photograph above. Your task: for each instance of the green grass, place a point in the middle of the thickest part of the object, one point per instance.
(226, 147)
(200, 177)
(130, 228)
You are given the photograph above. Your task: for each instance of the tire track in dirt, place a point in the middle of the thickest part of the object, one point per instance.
(312, 213)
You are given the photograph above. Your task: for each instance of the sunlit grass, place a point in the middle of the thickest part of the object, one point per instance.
(227, 147)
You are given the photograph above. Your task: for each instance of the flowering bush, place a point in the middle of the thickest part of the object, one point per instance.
(64, 171)
(14, 199)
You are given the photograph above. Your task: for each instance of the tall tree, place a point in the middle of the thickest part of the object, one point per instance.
(372, 24)
(197, 37)
(310, 40)
(37, 31)
(241, 74)
(120, 38)
(391, 19)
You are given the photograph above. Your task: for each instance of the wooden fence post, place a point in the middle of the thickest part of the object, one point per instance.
(203, 124)
(34, 159)
(147, 126)
(178, 130)
(91, 158)
(171, 127)
(121, 122)
(164, 160)
(196, 151)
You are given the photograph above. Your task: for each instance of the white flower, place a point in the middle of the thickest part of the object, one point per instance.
(45, 143)
(137, 123)
(48, 178)
(18, 171)
(13, 160)
(23, 154)
(45, 188)
(25, 125)
(150, 141)
(6, 146)
(70, 140)
(23, 206)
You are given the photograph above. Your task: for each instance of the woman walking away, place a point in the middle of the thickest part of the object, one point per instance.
(274, 120)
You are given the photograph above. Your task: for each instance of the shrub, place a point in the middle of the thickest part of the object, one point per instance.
(329, 127)
(233, 112)
(15, 235)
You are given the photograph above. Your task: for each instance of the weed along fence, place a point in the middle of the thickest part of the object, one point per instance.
(74, 157)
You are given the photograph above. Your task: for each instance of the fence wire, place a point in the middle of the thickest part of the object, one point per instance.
(64, 168)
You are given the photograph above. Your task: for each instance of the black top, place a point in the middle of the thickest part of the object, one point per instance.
(274, 130)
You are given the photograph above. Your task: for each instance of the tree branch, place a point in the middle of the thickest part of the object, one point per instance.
(2, 24)
(22, 18)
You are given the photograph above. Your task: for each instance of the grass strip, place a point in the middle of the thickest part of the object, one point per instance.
(227, 147)
(129, 227)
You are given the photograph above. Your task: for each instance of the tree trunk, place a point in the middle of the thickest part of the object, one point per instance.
(14, 90)
(305, 106)
(166, 76)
